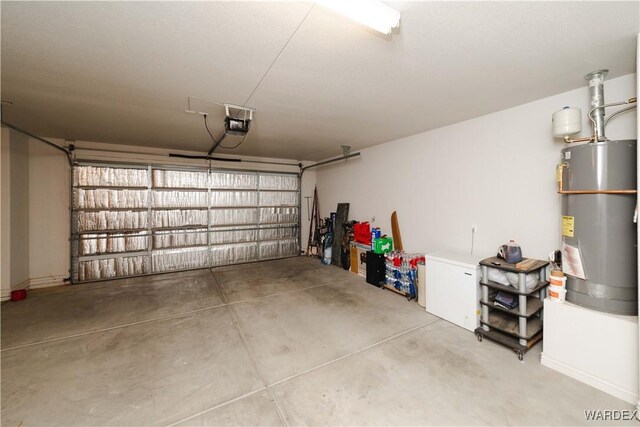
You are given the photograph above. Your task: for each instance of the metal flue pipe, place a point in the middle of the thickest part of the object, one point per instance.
(596, 90)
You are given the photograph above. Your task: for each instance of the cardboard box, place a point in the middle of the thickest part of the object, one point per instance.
(358, 255)
(353, 259)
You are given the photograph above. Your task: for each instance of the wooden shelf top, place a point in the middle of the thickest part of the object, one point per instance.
(496, 262)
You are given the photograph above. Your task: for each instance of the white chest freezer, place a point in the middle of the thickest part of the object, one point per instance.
(453, 288)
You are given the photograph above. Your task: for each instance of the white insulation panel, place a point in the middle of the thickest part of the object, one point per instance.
(113, 267)
(278, 215)
(140, 220)
(180, 259)
(179, 199)
(110, 177)
(234, 180)
(278, 182)
(102, 243)
(173, 239)
(242, 252)
(180, 179)
(278, 233)
(111, 220)
(109, 199)
(234, 198)
(179, 218)
(278, 198)
(233, 216)
(239, 235)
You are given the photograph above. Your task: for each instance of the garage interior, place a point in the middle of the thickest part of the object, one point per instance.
(319, 213)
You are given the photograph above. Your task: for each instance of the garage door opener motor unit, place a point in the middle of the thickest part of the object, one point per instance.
(234, 125)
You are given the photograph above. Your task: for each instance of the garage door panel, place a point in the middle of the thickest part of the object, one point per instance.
(234, 235)
(179, 218)
(131, 220)
(238, 253)
(278, 182)
(278, 198)
(288, 247)
(104, 176)
(278, 215)
(177, 199)
(180, 259)
(112, 220)
(102, 243)
(269, 250)
(234, 216)
(102, 198)
(234, 180)
(278, 233)
(179, 179)
(234, 198)
(278, 249)
(109, 268)
(179, 238)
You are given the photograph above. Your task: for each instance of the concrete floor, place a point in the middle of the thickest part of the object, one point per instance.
(288, 342)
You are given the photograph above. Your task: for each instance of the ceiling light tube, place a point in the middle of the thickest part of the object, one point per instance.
(372, 13)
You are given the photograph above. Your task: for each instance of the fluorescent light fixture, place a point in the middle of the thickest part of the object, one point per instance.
(372, 13)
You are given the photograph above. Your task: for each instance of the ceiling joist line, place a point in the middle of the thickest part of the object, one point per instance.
(216, 144)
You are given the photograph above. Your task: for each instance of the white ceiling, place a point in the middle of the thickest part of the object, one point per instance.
(121, 72)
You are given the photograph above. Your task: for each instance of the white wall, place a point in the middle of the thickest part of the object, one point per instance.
(48, 215)
(496, 171)
(19, 182)
(5, 215)
(577, 343)
(14, 212)
(49, 197)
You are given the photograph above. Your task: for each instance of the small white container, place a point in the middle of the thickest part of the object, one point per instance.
(558, 282)
(567, 121)
(557, 293)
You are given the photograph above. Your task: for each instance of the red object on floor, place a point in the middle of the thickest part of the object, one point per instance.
(18, 294)
(362, 233)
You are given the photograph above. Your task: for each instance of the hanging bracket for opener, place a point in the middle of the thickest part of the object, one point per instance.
(237, 124)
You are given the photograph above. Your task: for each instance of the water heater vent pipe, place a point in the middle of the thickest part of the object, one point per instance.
(596, 114)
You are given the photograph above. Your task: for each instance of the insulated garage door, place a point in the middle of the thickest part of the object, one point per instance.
(134, 220)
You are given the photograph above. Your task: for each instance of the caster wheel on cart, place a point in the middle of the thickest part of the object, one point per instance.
(520, 356)
(479, 336)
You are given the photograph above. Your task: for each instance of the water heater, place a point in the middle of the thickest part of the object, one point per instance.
(598, 230)
(598, 183)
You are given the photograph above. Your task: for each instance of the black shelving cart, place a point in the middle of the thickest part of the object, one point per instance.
(519, 328)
